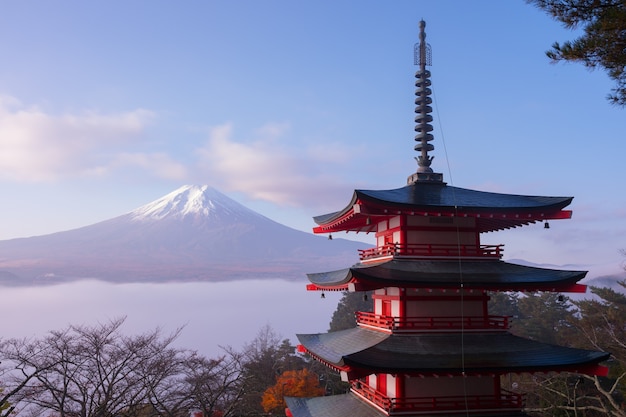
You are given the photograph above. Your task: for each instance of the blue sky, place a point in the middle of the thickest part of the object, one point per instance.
(288, 106)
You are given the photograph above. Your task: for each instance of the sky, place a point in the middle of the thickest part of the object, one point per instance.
(287, 107)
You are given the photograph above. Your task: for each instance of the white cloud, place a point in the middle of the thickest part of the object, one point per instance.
(36, 146)
(273, 131)
(158, 164)
(267, 168)
(269, 165)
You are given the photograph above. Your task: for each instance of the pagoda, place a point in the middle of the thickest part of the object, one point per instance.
(430, 346)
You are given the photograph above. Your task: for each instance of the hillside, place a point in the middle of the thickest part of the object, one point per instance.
(195, 233)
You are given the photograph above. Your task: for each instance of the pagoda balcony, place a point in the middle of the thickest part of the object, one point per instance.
(417, 324)
(507, 400)
(431, 250)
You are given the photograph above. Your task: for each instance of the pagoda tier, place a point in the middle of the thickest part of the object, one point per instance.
(447, 274)
(360, 352)
(491, 211)
(433, 373)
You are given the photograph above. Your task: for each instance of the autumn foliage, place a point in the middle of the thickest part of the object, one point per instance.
(302, 383)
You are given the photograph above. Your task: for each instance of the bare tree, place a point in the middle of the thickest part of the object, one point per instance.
(14, 379)
(600, 324)
(99, 372)
(212, 386)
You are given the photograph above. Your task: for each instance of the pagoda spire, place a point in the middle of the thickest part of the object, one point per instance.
(423, 118)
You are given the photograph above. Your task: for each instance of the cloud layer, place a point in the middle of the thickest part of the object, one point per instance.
(266, 167)
(263, 163)
(36, 146)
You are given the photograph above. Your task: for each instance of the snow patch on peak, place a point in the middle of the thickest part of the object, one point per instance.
(188, 200)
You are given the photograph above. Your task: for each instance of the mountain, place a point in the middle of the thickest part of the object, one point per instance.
(602, 276)
(195, 233)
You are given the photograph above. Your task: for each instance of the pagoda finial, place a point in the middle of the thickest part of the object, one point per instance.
(423, 57)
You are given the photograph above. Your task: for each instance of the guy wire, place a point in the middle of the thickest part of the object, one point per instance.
(460, 263)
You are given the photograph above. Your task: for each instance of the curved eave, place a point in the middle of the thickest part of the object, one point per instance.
(363, 352)
(492, 275)
(343, 405)
(493, 211)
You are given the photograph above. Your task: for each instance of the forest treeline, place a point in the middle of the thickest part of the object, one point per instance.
(99, 371)
(597, 322)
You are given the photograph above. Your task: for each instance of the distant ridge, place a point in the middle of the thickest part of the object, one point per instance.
(597, 276)
(194, 233)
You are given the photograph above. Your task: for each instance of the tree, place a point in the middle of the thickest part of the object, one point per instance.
(602, 323)
(544, 317)
(213, 386)
(301, 383)
(598, 323)
(5, 406)
(604, 40)
(12, 394)
(351, 302)
(97, 371)
(264, 359)
(504, 304)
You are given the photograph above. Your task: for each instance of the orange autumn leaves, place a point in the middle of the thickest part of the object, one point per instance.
(302, 383)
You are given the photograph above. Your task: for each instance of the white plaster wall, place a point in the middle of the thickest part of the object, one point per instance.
(378, 306)
(393, 291)
(394, 222)
(395, 308)
(371, 381)
(391, 386)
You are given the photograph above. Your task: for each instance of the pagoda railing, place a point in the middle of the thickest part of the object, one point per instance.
(433, 323)
(506, 400)
(432, 250)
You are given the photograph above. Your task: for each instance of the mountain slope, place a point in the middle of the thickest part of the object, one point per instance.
(192, 234)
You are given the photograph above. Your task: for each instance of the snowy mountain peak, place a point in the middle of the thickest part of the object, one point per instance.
(189, 200)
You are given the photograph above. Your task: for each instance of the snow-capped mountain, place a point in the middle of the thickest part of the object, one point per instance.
(193, 201)
(194, 233)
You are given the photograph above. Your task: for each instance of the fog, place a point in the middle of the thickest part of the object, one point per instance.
(213, 314)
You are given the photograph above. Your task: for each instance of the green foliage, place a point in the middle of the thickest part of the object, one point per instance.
(266, 358)
(504, 304)
(5, 405)
(597, 323)
(544, 317)
(604, 40)
(351, 302)
(602, 323)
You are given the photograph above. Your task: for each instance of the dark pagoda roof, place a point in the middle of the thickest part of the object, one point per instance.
(362, 351)
(350, 405)
(347, 405)
(494, 275)
(493, 211)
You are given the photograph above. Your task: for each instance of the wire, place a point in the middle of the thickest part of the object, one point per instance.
(460, 262)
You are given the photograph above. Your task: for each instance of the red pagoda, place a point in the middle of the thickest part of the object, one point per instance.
(430, 346)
